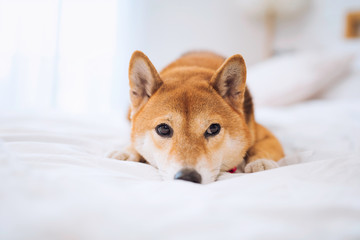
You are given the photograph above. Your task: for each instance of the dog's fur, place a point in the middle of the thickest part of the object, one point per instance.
(190, 94)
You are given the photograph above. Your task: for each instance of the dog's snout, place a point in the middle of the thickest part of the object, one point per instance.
(188, 174)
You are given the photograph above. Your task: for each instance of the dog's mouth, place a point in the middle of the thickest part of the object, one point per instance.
(191, 175)
(188, 174)
(194, 175)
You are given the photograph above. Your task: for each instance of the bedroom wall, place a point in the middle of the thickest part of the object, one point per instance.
(322, 26)
(72, 55)
(166, 29)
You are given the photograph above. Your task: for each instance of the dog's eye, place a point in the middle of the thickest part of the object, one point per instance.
(213, 130)
(164, 130)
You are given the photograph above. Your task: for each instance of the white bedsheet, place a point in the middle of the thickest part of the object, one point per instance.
(55, 182)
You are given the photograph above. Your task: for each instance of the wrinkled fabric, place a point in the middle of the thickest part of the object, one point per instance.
(56, 183)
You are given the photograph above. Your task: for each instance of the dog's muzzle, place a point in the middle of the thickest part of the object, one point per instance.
(188, 174)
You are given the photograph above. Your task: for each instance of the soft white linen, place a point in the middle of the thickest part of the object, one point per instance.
(295, 77)
(56, 184)
(348, 87)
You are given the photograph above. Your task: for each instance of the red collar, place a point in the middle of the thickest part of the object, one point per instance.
(233, 170)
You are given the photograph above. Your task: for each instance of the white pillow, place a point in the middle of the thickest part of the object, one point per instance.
(291, 78)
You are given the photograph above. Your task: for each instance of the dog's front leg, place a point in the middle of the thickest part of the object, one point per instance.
(127, 154)
(265, 152)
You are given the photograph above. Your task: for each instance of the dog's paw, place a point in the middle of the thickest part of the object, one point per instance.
(260, 165)
(125, 155)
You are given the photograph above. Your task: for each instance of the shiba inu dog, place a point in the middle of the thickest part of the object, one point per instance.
(195, 118)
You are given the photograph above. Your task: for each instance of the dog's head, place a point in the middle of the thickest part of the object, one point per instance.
(189, 123)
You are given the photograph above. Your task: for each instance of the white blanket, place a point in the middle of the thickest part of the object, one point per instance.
(55, 182)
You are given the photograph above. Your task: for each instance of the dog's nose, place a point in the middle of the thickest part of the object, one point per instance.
(188, 174)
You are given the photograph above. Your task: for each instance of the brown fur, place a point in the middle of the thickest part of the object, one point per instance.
(196, 90)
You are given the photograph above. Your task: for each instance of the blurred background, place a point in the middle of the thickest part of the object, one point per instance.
(72, 55)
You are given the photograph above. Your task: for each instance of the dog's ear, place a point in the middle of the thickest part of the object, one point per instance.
(144, 80)
(230, 81)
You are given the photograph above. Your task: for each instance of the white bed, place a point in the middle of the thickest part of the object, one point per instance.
(55, 182)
